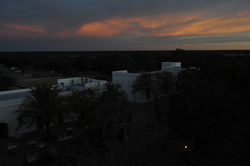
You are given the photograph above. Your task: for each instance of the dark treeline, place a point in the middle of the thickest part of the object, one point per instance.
(107, 61)
(103, 62)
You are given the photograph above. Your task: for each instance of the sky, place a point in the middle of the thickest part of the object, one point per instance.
(113, 25)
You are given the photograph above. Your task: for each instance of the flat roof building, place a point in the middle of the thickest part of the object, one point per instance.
(11, 100)
(127, 79)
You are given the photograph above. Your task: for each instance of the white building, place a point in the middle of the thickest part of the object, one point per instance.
(172, 67)
(126, 79)
(80, 83)
(11, 100)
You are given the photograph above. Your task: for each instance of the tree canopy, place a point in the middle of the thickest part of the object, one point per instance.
(202, 109)
(43, 107)
(155, 85)
(82, 101)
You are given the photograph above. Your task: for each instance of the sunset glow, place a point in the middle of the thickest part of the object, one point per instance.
(164, 25)
(124, 25)
(22, 28)
(15, 31)
(106, 28)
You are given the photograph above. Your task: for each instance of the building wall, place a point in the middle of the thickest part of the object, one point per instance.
(99, 84)
(126, 80)
(67, 81)
(173, 70)
(171, 64)
(7, 107)
(172, 67)
(86, 82)
(14, 91)
(8, 115)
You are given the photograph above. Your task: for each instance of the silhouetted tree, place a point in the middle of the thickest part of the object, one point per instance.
(82, 101)
(82, 63)
(202, 109)
(234, 149)
(146, 62)
(43, 107)
(156, 85)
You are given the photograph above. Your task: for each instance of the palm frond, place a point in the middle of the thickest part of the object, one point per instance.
(42, 107)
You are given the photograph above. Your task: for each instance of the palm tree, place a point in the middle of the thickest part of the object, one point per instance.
(43, 107)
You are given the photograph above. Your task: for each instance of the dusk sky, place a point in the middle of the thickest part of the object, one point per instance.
(100, 25)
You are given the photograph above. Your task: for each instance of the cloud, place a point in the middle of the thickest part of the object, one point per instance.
(23, 28)
(217, 25)
(17, 31)
(106, 28)
(122, 24)
(169, 25)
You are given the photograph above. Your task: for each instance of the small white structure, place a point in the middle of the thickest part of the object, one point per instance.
(13, 68)
(172, 67)
(11, 100)
(127, 79)
(81, 83)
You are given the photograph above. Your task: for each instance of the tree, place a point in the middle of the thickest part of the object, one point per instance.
(124, 63)
(155, 85)
(81, 102)
(42, 107)
(158, 86)
(146, 62)
(202, 109)
(113, 130)
(64, 65)
(234, 149)
(82, 63)
(112, 122)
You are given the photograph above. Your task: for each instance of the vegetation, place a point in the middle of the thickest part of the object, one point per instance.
(154, 85)
(99, 62)
(109, 131)
(207, 103)
(202, 109)
(43, 107)
(81, 102)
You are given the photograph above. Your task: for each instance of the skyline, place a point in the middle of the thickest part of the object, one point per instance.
(116, 25)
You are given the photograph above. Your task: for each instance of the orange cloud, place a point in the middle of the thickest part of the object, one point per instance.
(105, 28)
(117, 26)
(22, 28)
(220, 25)
(169, 25)
(10, 30)
(188, 44)
(65, 33)
(195, 44)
